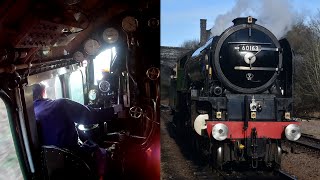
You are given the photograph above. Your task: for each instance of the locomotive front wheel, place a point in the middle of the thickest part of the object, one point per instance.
(180, 126)
(195, 144)
(217, 155)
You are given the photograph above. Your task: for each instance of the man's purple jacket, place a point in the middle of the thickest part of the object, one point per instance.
(57, 120)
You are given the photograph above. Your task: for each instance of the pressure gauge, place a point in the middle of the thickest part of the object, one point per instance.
(129, 24)
(78, 56)
(104, 86)
(110, 35)
(92, 94)
(153, 23)
(91, 46)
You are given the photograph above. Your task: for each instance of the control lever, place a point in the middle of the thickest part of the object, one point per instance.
(126, 88)
(121, 136)
(111, 149)
(119, 90)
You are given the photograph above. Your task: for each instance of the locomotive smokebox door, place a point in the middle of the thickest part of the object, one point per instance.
(247, 58)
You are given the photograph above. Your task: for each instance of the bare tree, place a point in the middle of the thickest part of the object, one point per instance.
(191, 44)
(305, 40)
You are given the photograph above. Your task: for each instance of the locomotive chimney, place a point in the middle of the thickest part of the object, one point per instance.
(203, 31)
(244, 20)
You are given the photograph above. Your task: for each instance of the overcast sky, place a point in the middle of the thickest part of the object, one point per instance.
(180, 19)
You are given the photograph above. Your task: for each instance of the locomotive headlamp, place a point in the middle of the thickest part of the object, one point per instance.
(293, 132)
(287, 115)
(253, 105)
(220, 132)
(217, 90)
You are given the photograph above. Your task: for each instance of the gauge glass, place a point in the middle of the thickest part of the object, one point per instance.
(129, 24)
(92, 94)
(91, 47)
(110, 35)
(78, 56)
(104, 86)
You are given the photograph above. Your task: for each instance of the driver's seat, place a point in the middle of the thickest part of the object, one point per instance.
(62, 164)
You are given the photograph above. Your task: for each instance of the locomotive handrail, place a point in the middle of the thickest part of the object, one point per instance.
(245, 42)
(255, 68)
(199, 50)
(24, 129)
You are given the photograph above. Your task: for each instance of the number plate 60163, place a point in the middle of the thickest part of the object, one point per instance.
(249, 48)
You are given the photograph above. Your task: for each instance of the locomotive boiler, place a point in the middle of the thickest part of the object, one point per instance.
(234, 96)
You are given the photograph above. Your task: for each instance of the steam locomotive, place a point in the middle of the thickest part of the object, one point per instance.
(233, 97)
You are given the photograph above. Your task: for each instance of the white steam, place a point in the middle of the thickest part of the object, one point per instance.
(276, 15)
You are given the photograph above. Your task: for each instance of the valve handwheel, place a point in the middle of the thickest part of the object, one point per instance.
(153, 73)
(135, 112)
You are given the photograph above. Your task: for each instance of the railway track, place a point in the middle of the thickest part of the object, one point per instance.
(276, 175)
(308, 141)
(206, 173)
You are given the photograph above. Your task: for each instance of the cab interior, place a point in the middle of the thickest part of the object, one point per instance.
(97, 53)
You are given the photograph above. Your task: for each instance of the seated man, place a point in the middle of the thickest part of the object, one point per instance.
(57, 119)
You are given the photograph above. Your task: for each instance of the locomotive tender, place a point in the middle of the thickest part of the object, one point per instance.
(234, 96)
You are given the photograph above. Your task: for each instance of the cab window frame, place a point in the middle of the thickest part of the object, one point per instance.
(15, 131)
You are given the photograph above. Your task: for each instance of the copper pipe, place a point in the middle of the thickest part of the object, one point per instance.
(12, 68)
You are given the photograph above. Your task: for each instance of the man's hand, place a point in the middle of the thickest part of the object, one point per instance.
(123, 136)
(111, 149)
(117, 108)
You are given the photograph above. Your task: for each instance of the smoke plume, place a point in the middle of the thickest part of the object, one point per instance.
(276, 15)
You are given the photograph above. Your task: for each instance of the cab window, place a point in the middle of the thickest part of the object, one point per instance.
(53, 88)
(58, 87)
(9, 164)
(102, 63)
(76, 87)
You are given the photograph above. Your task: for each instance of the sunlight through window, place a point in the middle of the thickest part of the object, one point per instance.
(76, 84)
(102, 63)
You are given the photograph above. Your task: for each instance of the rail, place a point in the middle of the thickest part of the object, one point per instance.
(307, 141)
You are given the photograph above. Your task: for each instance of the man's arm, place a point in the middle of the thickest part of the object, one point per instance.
(102, 115)
(78, 113)
(84, 115)
(106, 114)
